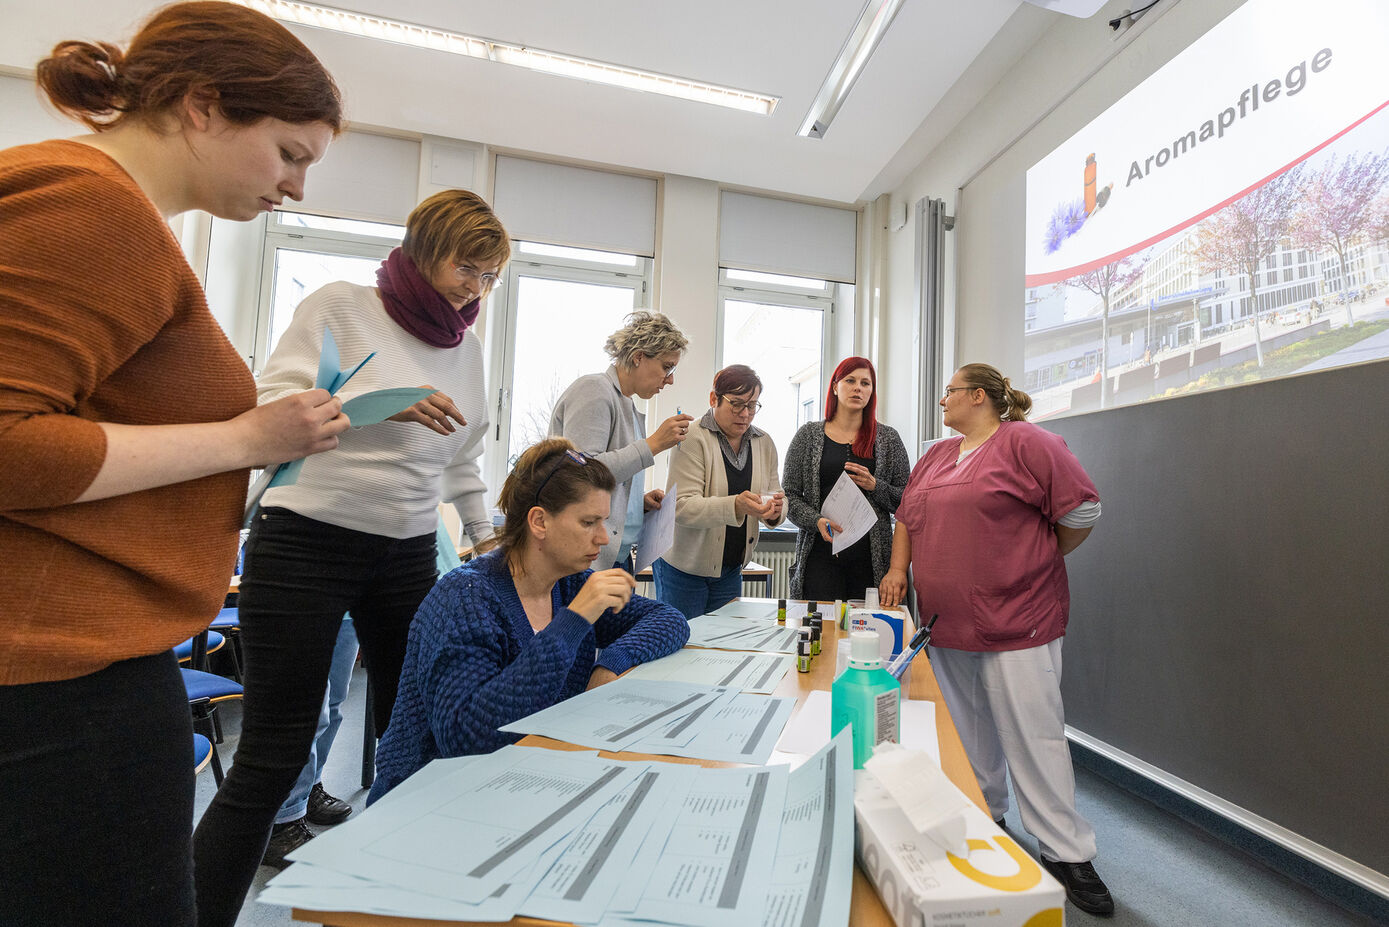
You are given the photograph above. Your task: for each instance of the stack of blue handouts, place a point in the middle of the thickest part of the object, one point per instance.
(575, 837)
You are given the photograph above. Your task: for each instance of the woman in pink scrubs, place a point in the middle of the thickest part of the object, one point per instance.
(985, 522)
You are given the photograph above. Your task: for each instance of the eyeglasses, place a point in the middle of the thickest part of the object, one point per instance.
(954, 389)
(739, 407)
(574, 456)
(485, 281)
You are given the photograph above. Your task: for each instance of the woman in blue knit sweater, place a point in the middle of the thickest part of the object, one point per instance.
(517, 629)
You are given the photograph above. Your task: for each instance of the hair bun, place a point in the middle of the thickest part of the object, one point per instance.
(83, 78)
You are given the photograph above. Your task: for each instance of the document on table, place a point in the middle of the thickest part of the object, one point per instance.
(750, 672)
(757, 634)
(712, 867)
(736, 609)
(813, 875)
(467, 834)
(848, 507)
(657, 532)
(620, 713)
(810, 729)
(739, 728)
(597, 860)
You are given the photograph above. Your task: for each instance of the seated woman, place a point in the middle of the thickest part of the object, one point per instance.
(516, 630)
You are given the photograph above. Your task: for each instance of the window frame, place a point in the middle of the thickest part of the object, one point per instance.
(502, 330)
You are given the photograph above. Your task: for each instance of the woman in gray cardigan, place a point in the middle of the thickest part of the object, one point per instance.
(596, 412)
(850, 440)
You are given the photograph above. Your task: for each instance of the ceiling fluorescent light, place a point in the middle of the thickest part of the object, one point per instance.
(402, 33)
(863, 39)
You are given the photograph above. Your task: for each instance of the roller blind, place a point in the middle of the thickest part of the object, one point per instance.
(782, 237)
(365, 176)
(574, 206)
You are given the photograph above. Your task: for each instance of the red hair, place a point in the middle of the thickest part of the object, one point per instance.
(250, 66)
(868, 428)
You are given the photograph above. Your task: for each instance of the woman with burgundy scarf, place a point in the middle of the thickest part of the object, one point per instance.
(355, 532)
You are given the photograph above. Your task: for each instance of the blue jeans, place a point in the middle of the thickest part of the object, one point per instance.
(329, 720)
(696, 595)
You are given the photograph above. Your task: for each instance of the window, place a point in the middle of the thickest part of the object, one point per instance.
(779, 326)
(560, 306)
(303, 253)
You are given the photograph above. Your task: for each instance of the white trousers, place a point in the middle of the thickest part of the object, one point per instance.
(1007, 708)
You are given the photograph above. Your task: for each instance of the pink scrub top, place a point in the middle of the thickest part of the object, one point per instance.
(984, 555)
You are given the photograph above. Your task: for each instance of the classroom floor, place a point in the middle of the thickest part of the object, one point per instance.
(1163, 871)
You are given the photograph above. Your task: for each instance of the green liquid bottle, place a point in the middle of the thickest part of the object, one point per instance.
(866, 696)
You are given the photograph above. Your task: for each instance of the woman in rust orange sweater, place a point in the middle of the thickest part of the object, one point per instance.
(128, 423)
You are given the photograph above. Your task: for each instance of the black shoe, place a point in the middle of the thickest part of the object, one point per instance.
(1084, 887)
(284, 840)
(325, 810)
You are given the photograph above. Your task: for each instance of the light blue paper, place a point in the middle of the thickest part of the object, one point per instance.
(737, 609)
(750, 672)
(617, 714)
(379, 405)
(722, 632)
(463, 835)
(739, 728)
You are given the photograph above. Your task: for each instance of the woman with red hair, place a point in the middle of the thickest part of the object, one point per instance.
(849, 441)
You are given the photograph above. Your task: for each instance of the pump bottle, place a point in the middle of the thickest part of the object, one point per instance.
(866, 696)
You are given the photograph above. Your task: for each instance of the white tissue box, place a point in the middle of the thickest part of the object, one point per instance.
(921, 885)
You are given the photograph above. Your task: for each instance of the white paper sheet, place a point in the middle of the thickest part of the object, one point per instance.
(750, 672)
(809, 730)
(620, 713)
(848, 507)
(657, 532)
(737, 609)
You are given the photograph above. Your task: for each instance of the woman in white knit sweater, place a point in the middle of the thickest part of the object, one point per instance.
(355, 532)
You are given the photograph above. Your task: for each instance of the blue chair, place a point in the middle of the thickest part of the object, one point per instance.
(205, 692)
(228, 622)
(202, 753)
(196, 649)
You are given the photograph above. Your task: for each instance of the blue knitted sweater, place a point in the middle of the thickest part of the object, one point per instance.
(473, 663)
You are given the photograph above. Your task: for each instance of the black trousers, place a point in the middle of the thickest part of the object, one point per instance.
(96, 798)
(845, 577)
(300, 576)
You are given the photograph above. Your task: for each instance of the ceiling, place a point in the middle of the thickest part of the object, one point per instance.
(781, 47)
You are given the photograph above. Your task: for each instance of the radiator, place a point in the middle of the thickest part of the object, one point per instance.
(780, 563)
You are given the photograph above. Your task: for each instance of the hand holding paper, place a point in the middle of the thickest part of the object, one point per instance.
(657, 531)
(847, 506)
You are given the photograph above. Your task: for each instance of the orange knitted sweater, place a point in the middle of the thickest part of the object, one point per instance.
(102, 320)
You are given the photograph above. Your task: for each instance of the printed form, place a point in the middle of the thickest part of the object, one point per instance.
(750, 672)
(615, 715)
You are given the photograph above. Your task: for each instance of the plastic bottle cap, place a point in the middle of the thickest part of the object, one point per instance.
(863, 649)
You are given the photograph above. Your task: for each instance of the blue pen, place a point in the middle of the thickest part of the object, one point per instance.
(922, 638)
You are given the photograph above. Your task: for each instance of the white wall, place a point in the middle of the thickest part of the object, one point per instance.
(1074, 72)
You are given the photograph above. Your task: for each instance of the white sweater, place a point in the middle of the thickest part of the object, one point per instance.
(385, 479)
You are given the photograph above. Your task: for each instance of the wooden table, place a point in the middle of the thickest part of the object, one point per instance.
(865, 909)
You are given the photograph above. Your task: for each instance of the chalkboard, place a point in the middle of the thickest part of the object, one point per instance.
(1230, 612)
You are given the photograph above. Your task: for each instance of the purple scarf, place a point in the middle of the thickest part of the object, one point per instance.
(417, 307)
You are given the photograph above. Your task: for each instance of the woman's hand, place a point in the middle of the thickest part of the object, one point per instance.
(652, 500)
(672, 431)
(822, 523)
(750, 503)
(861, 477)
(433, 412)
(893, 589)
(293, 427)
(600, 676)
(605, 589)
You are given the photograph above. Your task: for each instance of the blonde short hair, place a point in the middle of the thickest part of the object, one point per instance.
(646, 332)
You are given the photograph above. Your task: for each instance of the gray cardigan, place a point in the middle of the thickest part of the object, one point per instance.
(801, 482)
(604, 424)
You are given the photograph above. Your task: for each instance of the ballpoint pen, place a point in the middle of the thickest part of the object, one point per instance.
(919, 640)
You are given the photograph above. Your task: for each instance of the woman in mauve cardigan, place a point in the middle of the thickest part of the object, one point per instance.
(517, 629)
(850, 440)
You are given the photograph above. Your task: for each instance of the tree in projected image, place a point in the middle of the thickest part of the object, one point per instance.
(1239, 237)
(1105, 282)
(1338, 206)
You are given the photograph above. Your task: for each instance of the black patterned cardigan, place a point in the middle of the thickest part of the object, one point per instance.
(801, 482)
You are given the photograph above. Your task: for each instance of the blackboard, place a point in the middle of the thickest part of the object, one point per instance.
(1230, 612)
